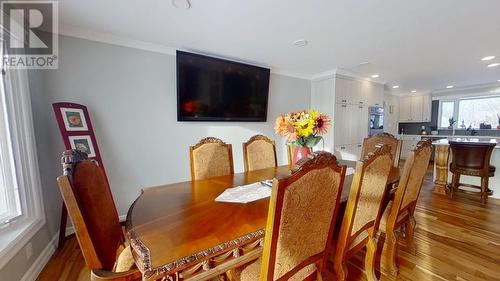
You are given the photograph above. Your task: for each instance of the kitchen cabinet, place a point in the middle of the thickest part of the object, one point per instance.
(415, 109)
(346, 101)
(351, 152)
(427, 108)
(360, 92)
(351, 125)
(408, 144)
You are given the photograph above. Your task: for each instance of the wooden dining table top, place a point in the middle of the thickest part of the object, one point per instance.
(172, 225)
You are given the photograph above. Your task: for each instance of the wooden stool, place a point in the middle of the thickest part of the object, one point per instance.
(471, 159)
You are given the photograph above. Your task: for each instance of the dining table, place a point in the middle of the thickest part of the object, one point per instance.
(179, 232)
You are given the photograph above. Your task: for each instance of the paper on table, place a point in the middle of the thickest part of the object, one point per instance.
(245, 194)
(349, 171)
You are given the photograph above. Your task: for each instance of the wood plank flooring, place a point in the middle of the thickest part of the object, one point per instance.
(456, 239)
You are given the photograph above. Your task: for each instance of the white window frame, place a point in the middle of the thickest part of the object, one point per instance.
(15, 234)
(456, 101)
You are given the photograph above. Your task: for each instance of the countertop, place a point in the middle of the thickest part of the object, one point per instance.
(467, 140)
(450, 136)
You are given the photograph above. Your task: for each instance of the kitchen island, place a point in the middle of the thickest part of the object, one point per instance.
(442, 157)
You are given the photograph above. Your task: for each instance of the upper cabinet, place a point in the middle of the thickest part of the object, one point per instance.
(359, 92)
(415, 109)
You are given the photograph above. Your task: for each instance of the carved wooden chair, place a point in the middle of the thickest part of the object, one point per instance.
(211, 157)
(370, 144)
(471, 159)
(400, 211)
(363, 211)
(92, 211)
(259, 152)
(302, 214)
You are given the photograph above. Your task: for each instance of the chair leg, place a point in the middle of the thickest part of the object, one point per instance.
(340, 269)
(484, 189)
(371, 250)
(392, 248)
(454, 183)
(409, 234)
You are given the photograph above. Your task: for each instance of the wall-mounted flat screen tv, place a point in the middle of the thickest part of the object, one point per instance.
(213, 89)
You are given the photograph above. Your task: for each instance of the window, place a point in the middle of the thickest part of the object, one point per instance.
(21, 205)
(470, 112)
(447, 109)
(10, 207)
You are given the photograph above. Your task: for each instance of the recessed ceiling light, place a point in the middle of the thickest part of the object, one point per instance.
(300, 42)
(493, 64)
(449, 87)
(364, 63)
(488, 58)
(395, 87)
(498, 80)
(182, 4)
(375, 76)
(413, 91)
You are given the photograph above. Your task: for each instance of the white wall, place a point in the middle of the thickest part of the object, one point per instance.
(131, 96)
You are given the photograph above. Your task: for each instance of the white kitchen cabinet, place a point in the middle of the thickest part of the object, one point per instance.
(427, 108)
(373, 93)
(351, 152)
(405, 109)
(346, 101)
(415, 109)
(341, 124)
(409, 143)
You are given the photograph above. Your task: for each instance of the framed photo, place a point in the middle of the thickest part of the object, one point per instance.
(74, 119)
(84, 144)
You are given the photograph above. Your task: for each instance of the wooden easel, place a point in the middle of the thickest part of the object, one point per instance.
(76, 129)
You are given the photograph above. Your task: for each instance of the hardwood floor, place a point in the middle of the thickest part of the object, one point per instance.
(456, 239)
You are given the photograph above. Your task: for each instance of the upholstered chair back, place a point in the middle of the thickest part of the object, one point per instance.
(259, 152)
(372, 143)
(413, 174)
(302, 212)
(91, 208)
(211, 157)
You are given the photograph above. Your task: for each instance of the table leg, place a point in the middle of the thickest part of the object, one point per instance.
(441, 168)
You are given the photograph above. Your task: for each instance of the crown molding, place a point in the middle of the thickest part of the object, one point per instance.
(108, 38)
(470, 88)
(343, 73)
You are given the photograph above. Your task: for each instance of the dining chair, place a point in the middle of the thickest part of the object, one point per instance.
(259, 152)
(399, 212)
(370, 144)
(210, 157)
(87, 196)
(300, 223)
(363, 211)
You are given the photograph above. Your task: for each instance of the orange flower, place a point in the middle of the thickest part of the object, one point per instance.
(284, 127)
(322, 124)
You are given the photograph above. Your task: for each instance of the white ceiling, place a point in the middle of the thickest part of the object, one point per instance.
(423, 45)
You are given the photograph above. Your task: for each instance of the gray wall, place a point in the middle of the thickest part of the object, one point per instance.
(131, 97)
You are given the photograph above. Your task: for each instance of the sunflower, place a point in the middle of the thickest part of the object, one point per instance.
(305, 126)
(322, 124)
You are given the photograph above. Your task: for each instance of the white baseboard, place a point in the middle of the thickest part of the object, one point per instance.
(42, 260)
(70, 230)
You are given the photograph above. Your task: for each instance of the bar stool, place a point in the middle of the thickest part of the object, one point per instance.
(471, 159)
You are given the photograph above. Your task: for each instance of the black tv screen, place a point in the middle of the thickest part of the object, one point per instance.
(213, 89)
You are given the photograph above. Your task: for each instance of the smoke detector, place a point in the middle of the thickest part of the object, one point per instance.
(181, 4)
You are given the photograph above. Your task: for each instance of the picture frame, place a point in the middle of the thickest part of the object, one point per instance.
(84, 144)
(74, 119)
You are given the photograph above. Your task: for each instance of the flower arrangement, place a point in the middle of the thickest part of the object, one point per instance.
(302, 128)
